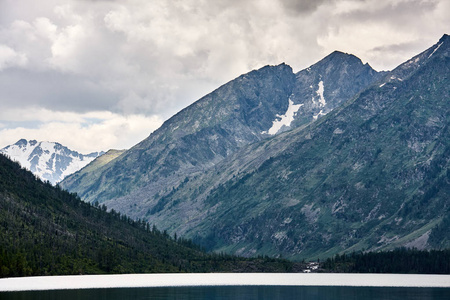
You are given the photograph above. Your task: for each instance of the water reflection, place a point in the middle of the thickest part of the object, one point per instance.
(236, 292)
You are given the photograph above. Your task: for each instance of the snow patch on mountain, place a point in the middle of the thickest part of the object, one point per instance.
(435, 49)
(321, 113)
(47, 160)
(319, 92)
(284, 120)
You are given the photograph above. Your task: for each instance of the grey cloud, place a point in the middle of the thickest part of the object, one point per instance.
(401, 47)
(303, 6)
(98, 0)
(53, 91)
(395, 12)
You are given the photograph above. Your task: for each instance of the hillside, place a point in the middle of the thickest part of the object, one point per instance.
(85, 176)
(47, 231)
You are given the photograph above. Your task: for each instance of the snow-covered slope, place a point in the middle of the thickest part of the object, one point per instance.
(48, 160)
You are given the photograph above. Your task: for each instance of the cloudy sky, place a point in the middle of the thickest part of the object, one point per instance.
(101, 74)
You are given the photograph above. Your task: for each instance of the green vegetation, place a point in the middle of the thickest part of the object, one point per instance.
(45, 230)
(401, 260)
(102, 160)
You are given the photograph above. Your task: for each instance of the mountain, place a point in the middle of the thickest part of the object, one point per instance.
(373, 174)
(47, 231)
(332, 159)
(47, 160)
(249, 109)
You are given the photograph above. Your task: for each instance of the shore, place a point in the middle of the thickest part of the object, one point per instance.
(221, 279)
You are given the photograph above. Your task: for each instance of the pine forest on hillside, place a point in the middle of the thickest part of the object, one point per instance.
(47, 231)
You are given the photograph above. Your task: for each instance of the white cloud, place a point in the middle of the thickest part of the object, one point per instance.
(93, 131)
(384, 33)
(64, 48)
(10, 58)
(153, 58)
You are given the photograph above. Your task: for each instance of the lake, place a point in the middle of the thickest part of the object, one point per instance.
(228, 286)
(236, 292)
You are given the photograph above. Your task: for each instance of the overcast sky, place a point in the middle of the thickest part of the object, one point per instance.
(101, 74)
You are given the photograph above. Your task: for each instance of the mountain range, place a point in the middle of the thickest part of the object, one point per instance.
(48, 160)
(332, 159)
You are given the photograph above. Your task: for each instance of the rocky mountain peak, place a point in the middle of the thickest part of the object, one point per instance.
(338, 57)
(328, 83)
(445, 37)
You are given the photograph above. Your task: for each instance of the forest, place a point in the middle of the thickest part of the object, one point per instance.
(45, 230)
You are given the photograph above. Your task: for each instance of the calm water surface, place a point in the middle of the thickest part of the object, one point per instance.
(236, 292)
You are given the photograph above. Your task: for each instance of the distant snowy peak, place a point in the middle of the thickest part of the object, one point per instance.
(48, 160)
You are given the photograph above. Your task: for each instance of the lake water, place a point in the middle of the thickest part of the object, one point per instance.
(236, 292)
(283, 286)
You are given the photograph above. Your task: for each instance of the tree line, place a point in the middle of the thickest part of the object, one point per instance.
(402, 260)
